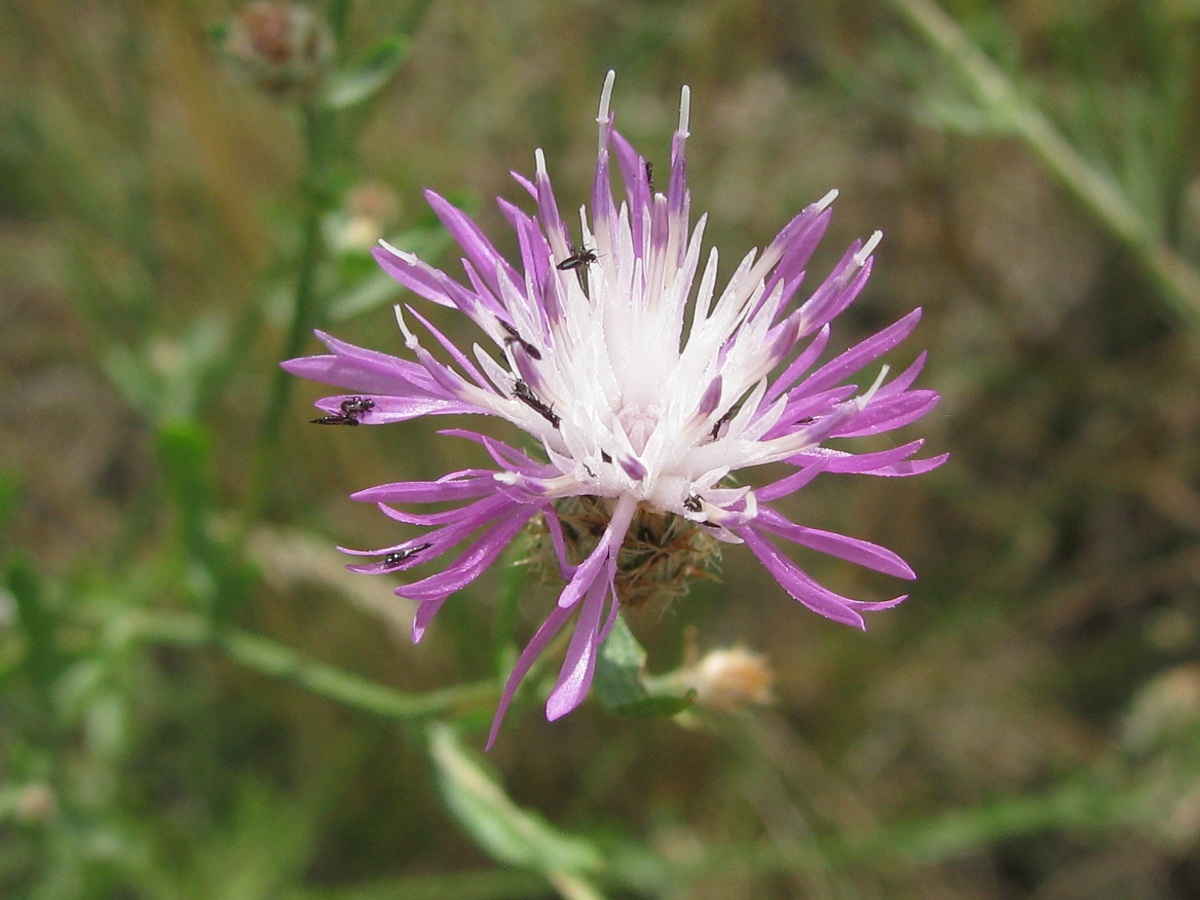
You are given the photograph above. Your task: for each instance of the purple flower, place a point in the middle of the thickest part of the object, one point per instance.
(646, 391)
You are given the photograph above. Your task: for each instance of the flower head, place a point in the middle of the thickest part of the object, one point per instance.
(646, 391)
(282, 48)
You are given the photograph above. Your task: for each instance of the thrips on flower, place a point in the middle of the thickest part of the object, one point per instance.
(351, 412)
(581, 257)
(645, 390)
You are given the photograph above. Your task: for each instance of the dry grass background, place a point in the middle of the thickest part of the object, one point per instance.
(1025, 725)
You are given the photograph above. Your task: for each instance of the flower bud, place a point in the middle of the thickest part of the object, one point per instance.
(284, 49)
(729, 678)
(36, 803)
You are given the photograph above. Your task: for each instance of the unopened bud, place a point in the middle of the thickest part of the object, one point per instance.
(282, 48)
(369, 209)
(730, 678)
(37, 803)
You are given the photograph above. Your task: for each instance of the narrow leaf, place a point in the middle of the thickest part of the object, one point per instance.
(369, 77)
(510, 834)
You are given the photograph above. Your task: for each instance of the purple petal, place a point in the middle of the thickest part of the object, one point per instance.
(798, 367)
(546, 633)
(889, 414)
(912, 467)
(471, 564)
(505, 455)
(420, 278)
(604, 557)
(457, 486)
(580, 664)
(854, 550)
(792, 483)
(359, 369)
(804, 589)
(459, 356)
(861, 353)
(469, 236)
(837, 291)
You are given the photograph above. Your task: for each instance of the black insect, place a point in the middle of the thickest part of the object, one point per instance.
(353, 409)
(394, 559)
(514, 337)
(581, 257)
(604, 455)
(357, 406)
(525, 394)
(717, 425)
(650, 175)
(693, 503)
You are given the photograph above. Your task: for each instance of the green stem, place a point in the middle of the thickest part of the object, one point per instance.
(1177, 281)
(278, 661)
(339, 15)
(305, 314)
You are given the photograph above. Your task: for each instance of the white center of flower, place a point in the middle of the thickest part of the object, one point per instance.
(639, 424)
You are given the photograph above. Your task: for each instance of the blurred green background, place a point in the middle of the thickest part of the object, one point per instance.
(197, 701)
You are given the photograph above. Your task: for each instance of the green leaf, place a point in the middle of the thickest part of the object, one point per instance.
(218, 33)
(369, 77)
(619, 687)
(36, 620)
(10, 496)
(656, 707)
(510, 834)
(184, 449)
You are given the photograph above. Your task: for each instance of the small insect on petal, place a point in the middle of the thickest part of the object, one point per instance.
(357, 406)
(514, 337)
(394, 559)
(525, 394)
(353, 409)
(579, 257)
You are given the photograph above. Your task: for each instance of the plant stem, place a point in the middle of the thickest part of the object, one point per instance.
(282, 662)
(1178, 281)
(318, 126)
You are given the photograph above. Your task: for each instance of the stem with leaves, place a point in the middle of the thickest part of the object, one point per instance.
(1178, 281)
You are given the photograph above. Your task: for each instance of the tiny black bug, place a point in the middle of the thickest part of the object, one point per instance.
(716, 429)
(579, 257)
(353, 409)
(357, 406)
(693, 503)
(514, 337)
(525, 394)
(394, 559)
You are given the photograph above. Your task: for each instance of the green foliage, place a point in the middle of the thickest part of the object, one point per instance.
(508, 833)
(619, 687)
(365, 80)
